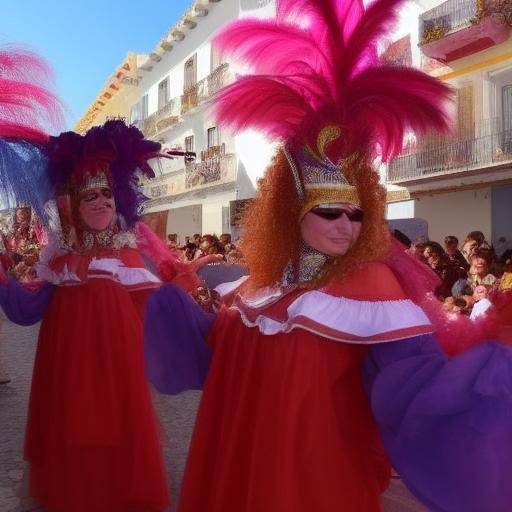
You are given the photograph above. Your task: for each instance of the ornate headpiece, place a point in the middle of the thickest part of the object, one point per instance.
(110, 156)
(321, 89)
(98, 180)
(318, 180)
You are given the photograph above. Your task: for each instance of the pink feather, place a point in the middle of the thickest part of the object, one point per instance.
(28, 109)
(316, 63)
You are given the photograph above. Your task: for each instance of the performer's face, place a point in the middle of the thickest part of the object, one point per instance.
(330, 230)
(97, 208)
(22, 216)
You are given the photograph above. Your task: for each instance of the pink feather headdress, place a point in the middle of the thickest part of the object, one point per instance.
(28, 109)
(320, 88)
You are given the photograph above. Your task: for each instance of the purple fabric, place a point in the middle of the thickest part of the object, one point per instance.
(446, 422)
(22, 306)
(177, 356)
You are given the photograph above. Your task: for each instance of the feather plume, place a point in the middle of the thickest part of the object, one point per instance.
(28, 111)
(316, 64)
(28, 108)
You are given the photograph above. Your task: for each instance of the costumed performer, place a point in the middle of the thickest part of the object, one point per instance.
(325, 366)
(92, 439)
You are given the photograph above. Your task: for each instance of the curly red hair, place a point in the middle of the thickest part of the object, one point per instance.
(272, 228)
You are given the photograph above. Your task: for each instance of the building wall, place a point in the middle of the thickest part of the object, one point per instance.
(196, 40)
(501, 212)
(210, 203)
(185, 221)
(400, 210)
(456, 213)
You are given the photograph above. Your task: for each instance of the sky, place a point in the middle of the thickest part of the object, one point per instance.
(86, 40)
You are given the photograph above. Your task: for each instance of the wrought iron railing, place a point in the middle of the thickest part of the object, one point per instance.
(211, 171)
(453, 155)
(254, 4)
(163, 118)
(170, 114)
(205, 89)
(447, 16)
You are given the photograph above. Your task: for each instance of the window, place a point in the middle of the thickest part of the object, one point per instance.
(189, 143)
(135, 113)
(212, 137)
(506, 107)
(215, 58)
(144, 107)
(163, 93)
(465, 113)
(190, 73)
(506, 112)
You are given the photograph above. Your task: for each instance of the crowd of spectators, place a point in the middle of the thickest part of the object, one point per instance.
(198, 246)
(471, 274)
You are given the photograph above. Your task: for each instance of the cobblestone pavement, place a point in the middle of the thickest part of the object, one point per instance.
(177, 414)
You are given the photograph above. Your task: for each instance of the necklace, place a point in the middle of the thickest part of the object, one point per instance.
(310, 263)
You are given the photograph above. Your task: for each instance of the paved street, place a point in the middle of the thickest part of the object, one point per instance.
(17, 349)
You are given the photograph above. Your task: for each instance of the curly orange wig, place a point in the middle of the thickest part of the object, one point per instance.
(272, 229)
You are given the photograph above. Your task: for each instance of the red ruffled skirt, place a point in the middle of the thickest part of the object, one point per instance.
(92, 437)
(284, 426)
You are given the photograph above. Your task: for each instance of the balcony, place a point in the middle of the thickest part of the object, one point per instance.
(170, 184)
(485, 145)
(164, 118)
(458, 28)
(216, 170)
(205, 89)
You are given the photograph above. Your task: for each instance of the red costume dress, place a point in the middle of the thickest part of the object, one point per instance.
(92, 437)
(284, 424)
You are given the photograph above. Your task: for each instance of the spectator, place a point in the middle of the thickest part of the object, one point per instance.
(443, 267)
(225, 239)
(235, 257)
(228, 248)
(506, 278)
(468, 248)
(451, 245)
(479, 273)
(189, 254)
(172, 241)
(417, 248)
(196, 239)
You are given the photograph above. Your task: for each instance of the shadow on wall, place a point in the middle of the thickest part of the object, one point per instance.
(412, 228)
(245, 187)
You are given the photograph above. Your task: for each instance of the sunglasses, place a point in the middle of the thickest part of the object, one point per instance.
(336, 213)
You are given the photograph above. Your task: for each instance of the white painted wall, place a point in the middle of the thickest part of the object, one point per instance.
(196, 40)
(400, 210)
(255, 153)
(456, 213)
(185, 221)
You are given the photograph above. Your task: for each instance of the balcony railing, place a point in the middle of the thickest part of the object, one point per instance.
(164, 118)
(458, 28)
(212, 171)
(448, 16)
(205, 89)
(444, 155)
(170, 114)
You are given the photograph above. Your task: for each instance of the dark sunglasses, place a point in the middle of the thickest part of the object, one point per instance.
(336, 213)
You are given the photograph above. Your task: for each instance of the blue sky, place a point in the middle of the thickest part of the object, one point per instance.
(85, 40)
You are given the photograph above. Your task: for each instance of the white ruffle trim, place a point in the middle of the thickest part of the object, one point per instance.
(105, 268)
(345, 319)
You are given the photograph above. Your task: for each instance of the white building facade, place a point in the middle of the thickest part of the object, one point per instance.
(463, 181)
(177, 81)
